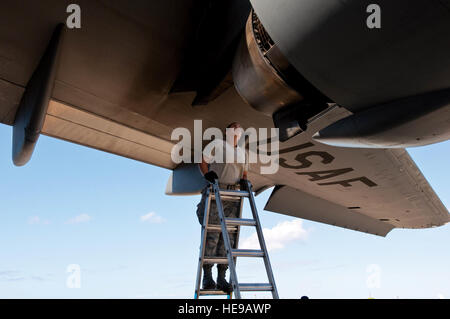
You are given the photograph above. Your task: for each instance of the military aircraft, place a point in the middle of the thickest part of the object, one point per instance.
(348, 84)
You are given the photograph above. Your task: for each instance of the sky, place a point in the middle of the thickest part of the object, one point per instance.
(80, 223)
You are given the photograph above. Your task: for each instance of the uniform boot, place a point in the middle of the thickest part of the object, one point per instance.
(222, 283)
(208, 282)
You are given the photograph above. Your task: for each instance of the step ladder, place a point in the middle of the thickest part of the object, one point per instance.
(233, 225)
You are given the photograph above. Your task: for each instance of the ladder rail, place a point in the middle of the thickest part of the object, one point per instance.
(203, 241)
(236, 241)
(226, 241)
(262, 243)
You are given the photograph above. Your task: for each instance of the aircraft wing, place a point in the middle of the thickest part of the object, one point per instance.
(369, 190)
(114, 91)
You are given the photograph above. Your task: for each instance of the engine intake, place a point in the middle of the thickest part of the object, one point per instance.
(269, 83)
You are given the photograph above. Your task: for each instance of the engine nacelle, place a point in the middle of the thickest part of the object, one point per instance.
(269, 83)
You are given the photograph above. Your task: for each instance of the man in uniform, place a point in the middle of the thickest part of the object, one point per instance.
(231, 174)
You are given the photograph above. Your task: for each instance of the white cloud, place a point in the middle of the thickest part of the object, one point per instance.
(36, 220)
(277, 237)
(83, 218)
(152, 218)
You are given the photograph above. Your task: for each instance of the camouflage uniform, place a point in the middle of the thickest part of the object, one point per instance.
(214, 246)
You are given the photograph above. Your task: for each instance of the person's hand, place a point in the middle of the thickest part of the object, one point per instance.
(211, 176)
(243, 184)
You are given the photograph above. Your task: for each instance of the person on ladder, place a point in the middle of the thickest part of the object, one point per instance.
(231, 174)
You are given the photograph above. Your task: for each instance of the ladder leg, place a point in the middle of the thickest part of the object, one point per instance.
(226, 240)
(203, 241)
(262, 242)
(236, 241)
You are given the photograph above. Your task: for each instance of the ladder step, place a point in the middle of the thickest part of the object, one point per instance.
(240, 222)
(255, 287)
(215, 260)
(247, 253)
(212, 292)
(232, 193)
(213, 227)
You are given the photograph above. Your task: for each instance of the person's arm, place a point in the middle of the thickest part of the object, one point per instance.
(243, 182)
(210, 176)
(203, 166)
(244, 174)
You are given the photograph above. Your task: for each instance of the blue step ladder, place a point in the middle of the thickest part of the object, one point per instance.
(233, 225)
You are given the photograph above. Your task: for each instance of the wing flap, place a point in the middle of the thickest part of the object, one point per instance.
(10, 95)
(289, 201)
(81, 127)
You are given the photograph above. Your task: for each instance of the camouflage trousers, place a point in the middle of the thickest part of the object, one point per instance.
(214, 246)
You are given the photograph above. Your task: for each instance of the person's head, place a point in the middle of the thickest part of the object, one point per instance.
(233, 133)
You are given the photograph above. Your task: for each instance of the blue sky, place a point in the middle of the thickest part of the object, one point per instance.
(109, 215)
